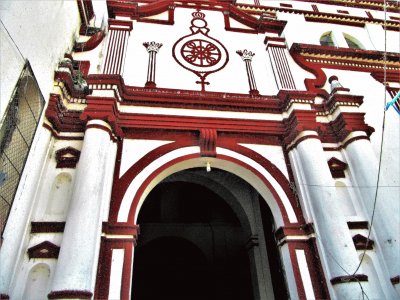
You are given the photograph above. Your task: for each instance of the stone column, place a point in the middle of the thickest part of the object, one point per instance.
(75, 273)
(152, 48)
(363, 167)
(16, 229)
(333, 236)
(247, 57)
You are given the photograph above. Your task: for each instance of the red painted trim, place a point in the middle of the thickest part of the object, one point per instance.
(104, 267)
(357, 138)
(357, 225)
(296, 270)
(262, 25)
(322, 17)
(118, 228)
(177, 98)
(298, 141)
(122, 185)
(4, 297)
(61, 118)
(67, 157)
(102, 127)
(66, 78)
(114, 24)
(91, 43)
(61, 137)
(312, 85)
(85, 9)
(208, 142)
(291, 230)
(318, 280)
(362, 243)
(47, 227)
(395, 280)
(337, 167)
(45, 249)
(349, 278)
(70, 294)
(345, 123)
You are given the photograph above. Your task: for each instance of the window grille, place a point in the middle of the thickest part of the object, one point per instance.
(17, 130)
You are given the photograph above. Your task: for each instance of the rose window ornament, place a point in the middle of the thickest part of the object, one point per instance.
(198, 52)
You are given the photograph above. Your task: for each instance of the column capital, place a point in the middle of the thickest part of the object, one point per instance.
(245, 54)
(114, 24)
(298, 122)
(104, 110)
(348, 122)
(152, 46)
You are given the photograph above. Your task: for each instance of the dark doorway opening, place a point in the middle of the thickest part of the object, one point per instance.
(191, 246)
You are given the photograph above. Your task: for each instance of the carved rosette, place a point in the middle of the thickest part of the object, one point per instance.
(198, 52)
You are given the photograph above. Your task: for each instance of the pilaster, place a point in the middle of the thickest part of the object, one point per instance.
(75, 273)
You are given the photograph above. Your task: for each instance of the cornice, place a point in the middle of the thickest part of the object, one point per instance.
(354, 59)
(392, 6)
(321, 17)
(177, 98)
(134, 11)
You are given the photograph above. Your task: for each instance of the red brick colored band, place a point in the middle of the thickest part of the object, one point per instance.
(349, 278)
(70, 294)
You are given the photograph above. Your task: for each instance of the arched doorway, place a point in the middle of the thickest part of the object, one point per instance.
(197, 241)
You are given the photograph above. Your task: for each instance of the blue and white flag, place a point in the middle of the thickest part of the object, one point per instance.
(395, 103)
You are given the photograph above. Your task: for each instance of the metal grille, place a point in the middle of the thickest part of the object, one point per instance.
(16, 134)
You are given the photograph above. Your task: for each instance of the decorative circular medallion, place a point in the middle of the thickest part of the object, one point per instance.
(200, 53)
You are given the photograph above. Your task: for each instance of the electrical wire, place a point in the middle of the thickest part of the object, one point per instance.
(23, 57)
(382, 137)
(363, 293)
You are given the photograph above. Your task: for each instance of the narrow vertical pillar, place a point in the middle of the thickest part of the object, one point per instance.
(247, 57)
(152, 48)
(363, 167)
(16, 229)
(333, 236)
(278, 52)
(117, 44)
(75, 273)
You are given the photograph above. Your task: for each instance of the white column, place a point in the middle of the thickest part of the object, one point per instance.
(77, 261)
(14, 235)
(363, 167)
(333, 236)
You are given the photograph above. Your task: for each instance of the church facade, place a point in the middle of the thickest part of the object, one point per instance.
(199, 150)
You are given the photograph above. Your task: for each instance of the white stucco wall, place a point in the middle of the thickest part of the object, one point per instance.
(43, 32)
(169, 74)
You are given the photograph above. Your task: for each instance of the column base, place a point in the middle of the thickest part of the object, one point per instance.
(70, 294)
(150, 84)
(254, 93)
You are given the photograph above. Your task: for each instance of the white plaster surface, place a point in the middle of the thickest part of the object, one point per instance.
(305, 274)
(117, 264)
(134, 150)
(273, 153)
